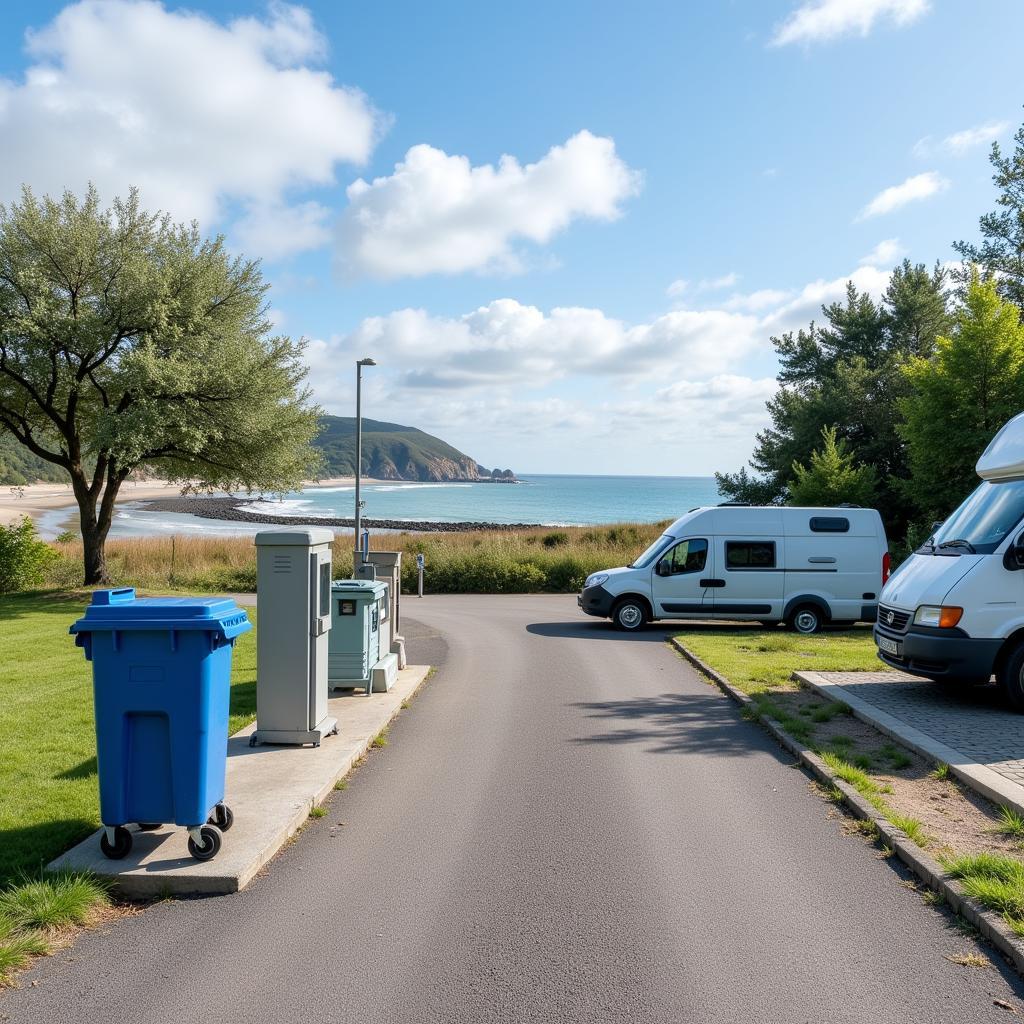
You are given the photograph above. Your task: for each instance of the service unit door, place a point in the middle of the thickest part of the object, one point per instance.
(750, 581)
(678, 580)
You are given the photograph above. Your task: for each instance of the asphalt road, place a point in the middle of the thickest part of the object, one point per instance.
(567, 825)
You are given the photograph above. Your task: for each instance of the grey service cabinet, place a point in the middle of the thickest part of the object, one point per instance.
(293, 585)
(388, 566)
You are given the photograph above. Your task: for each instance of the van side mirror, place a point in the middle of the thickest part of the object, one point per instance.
(1015, 554)
(664, 568)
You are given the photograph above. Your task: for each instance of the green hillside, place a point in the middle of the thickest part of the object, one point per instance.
(19, 466)
(391, 451)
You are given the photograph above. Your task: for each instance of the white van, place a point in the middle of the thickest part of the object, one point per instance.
(955, 608)
(802, 566)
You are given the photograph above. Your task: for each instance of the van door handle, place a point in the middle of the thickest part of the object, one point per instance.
(712, 583)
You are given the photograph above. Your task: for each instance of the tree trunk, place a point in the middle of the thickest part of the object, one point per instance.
(94, 543)
(95, 519)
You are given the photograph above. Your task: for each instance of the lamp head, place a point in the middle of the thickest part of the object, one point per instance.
(366, 362)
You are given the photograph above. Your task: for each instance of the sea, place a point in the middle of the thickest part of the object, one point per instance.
(560, 500)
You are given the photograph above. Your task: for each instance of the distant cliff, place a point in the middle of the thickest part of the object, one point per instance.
(392, 451)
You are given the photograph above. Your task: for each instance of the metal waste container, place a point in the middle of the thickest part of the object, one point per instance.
(358, 608)
(161, 669)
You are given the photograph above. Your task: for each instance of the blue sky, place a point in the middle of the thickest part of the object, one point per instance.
(682, 180)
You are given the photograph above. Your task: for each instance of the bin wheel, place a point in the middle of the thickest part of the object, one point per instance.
(211, 843)
(121, 845)
(223, 817)
(149, 826)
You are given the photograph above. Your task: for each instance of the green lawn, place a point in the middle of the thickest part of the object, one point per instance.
(48, 795)
(763, 659)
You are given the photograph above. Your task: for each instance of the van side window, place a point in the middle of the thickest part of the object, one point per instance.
(750, 554)
(687, 556)
(830, 524)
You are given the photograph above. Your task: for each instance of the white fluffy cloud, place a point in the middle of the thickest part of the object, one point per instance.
(822, 20)
(507, 343)
(200, 115)
(439, 214)
(914, 189)
(885, 254)
(963, 141)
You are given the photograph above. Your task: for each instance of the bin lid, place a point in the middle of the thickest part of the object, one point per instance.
(120, 609)
(304, 538)
(360, 588)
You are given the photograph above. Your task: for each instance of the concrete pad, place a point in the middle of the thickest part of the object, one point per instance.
(967, 766)
(270, 790)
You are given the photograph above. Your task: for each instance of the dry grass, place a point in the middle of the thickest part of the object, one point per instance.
(480, 561)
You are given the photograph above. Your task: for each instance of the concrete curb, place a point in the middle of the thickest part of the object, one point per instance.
(929, 871)
(985, 781)
(272, 791)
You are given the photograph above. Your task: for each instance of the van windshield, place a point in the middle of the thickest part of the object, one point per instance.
(648, 556)
(985, 518)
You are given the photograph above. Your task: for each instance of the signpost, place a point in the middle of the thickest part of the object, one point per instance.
(420, 564)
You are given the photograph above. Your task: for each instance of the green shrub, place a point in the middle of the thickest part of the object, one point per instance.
(555, 539)
(24, 558)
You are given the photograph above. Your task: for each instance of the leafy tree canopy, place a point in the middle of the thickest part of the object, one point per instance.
(128, 341)
(961, 396)
(846, 374)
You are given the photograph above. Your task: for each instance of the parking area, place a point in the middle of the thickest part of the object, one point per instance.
(970, 728)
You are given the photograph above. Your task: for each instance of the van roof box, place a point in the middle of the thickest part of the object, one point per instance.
(1003, 459)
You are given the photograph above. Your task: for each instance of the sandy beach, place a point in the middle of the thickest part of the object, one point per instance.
(34, 499)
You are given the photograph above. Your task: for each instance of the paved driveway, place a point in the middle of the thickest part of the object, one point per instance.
(568, 825)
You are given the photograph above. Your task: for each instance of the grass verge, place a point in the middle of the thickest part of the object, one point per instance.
(921, 799)
(35, 914)
(995, 881)
(48, 794)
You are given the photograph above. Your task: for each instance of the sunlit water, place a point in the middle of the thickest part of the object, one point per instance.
(551, 500)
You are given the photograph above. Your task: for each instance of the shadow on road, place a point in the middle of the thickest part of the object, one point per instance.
(676, 723)
(600, 630)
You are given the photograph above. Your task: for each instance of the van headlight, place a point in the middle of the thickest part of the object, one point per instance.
(944, 617)
(596, 579)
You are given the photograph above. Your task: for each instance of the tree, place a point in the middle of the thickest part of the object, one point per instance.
(847, 374)
(960, 397)
(1001, 252)
(129, 342)
(833, 477)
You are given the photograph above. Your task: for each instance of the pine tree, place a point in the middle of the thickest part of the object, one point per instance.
(1001, 251)
(834, 477)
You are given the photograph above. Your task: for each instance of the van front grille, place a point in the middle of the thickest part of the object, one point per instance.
(893, 618)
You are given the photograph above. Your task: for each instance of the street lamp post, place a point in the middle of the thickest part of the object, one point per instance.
(359, 438)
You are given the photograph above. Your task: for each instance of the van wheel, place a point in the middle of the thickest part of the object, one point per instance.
(629, 615)
(806, 619)
(1011, 678)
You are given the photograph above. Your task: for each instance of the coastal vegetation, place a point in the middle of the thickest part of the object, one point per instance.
(889, 403)
(535, 560)
(129, 342)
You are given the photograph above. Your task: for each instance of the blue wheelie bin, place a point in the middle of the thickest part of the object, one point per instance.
(161, 670)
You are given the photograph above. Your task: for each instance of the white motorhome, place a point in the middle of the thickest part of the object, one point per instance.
(955, 608)
(803, 566)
